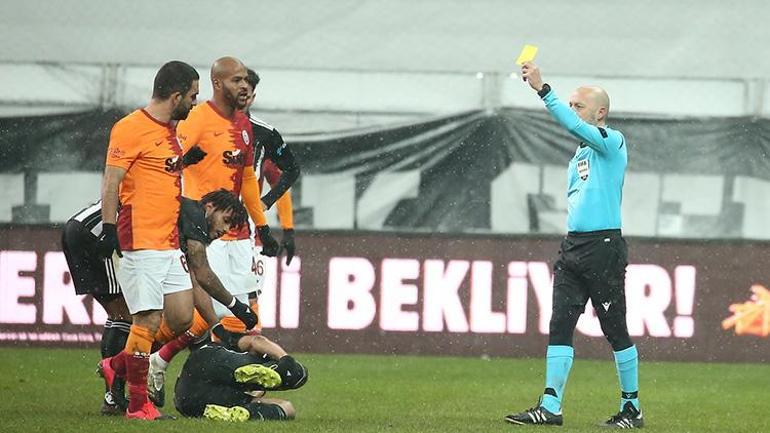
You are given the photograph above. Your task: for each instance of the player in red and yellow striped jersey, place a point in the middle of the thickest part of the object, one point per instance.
(224, 133)
(143, 173)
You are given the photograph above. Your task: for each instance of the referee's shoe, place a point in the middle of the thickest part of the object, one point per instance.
(629, 417)
(537, 415)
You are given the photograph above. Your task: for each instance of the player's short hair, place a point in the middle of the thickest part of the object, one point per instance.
(224, 200)
(174, 76)
(252, 77)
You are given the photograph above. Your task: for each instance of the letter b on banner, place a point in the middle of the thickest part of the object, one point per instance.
(351, 304)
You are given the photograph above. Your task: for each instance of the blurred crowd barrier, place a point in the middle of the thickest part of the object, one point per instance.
(479, 171)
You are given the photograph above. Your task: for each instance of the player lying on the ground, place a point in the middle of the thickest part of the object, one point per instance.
(217, 383)
(233, 335)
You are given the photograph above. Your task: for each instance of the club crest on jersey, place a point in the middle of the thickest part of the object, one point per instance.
(245, 136)
(583, 169)
(233, 158)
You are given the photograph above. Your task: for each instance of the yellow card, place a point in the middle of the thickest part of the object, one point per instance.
(528, 54)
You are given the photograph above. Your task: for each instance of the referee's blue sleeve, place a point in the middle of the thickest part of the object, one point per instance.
(600, 139)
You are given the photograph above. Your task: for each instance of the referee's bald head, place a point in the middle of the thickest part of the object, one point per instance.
(591, 103)
(599, 95)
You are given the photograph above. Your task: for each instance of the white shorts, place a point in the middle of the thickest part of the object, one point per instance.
(223, 311)
(147, 275)
(233, 263)
(260, 268)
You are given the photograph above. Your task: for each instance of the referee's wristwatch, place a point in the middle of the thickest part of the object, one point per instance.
(544, 91)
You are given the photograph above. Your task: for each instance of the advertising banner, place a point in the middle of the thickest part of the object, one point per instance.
(469, 295)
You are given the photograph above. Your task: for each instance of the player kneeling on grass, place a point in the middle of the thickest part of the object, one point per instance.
(219, 384)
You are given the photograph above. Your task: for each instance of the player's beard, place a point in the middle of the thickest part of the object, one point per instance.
(232, 99)
(181, 111)
(236, 102)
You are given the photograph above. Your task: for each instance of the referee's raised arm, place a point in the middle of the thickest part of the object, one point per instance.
(586, 115)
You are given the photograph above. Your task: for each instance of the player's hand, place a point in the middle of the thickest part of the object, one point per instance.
(244, 314)
(530, 72)
(108, 241)
(287, 244)
(270, 246)
(193, 156)
(293, 374)
(286, 363)
(228, 339)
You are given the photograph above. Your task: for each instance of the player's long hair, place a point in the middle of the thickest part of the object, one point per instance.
(224, 200)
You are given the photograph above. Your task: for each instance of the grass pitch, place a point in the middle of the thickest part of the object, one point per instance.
(56, 390)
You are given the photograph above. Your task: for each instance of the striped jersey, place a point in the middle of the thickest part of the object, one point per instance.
(91, 218)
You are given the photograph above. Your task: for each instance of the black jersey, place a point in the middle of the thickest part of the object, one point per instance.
(90, 218)
(268, 144)
(192, 223)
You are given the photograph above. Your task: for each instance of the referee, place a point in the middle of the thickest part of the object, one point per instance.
(593, 257)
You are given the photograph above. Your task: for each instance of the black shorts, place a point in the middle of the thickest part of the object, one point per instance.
(207, 378)
(591, 265)
(91, 274)
(191, 399)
